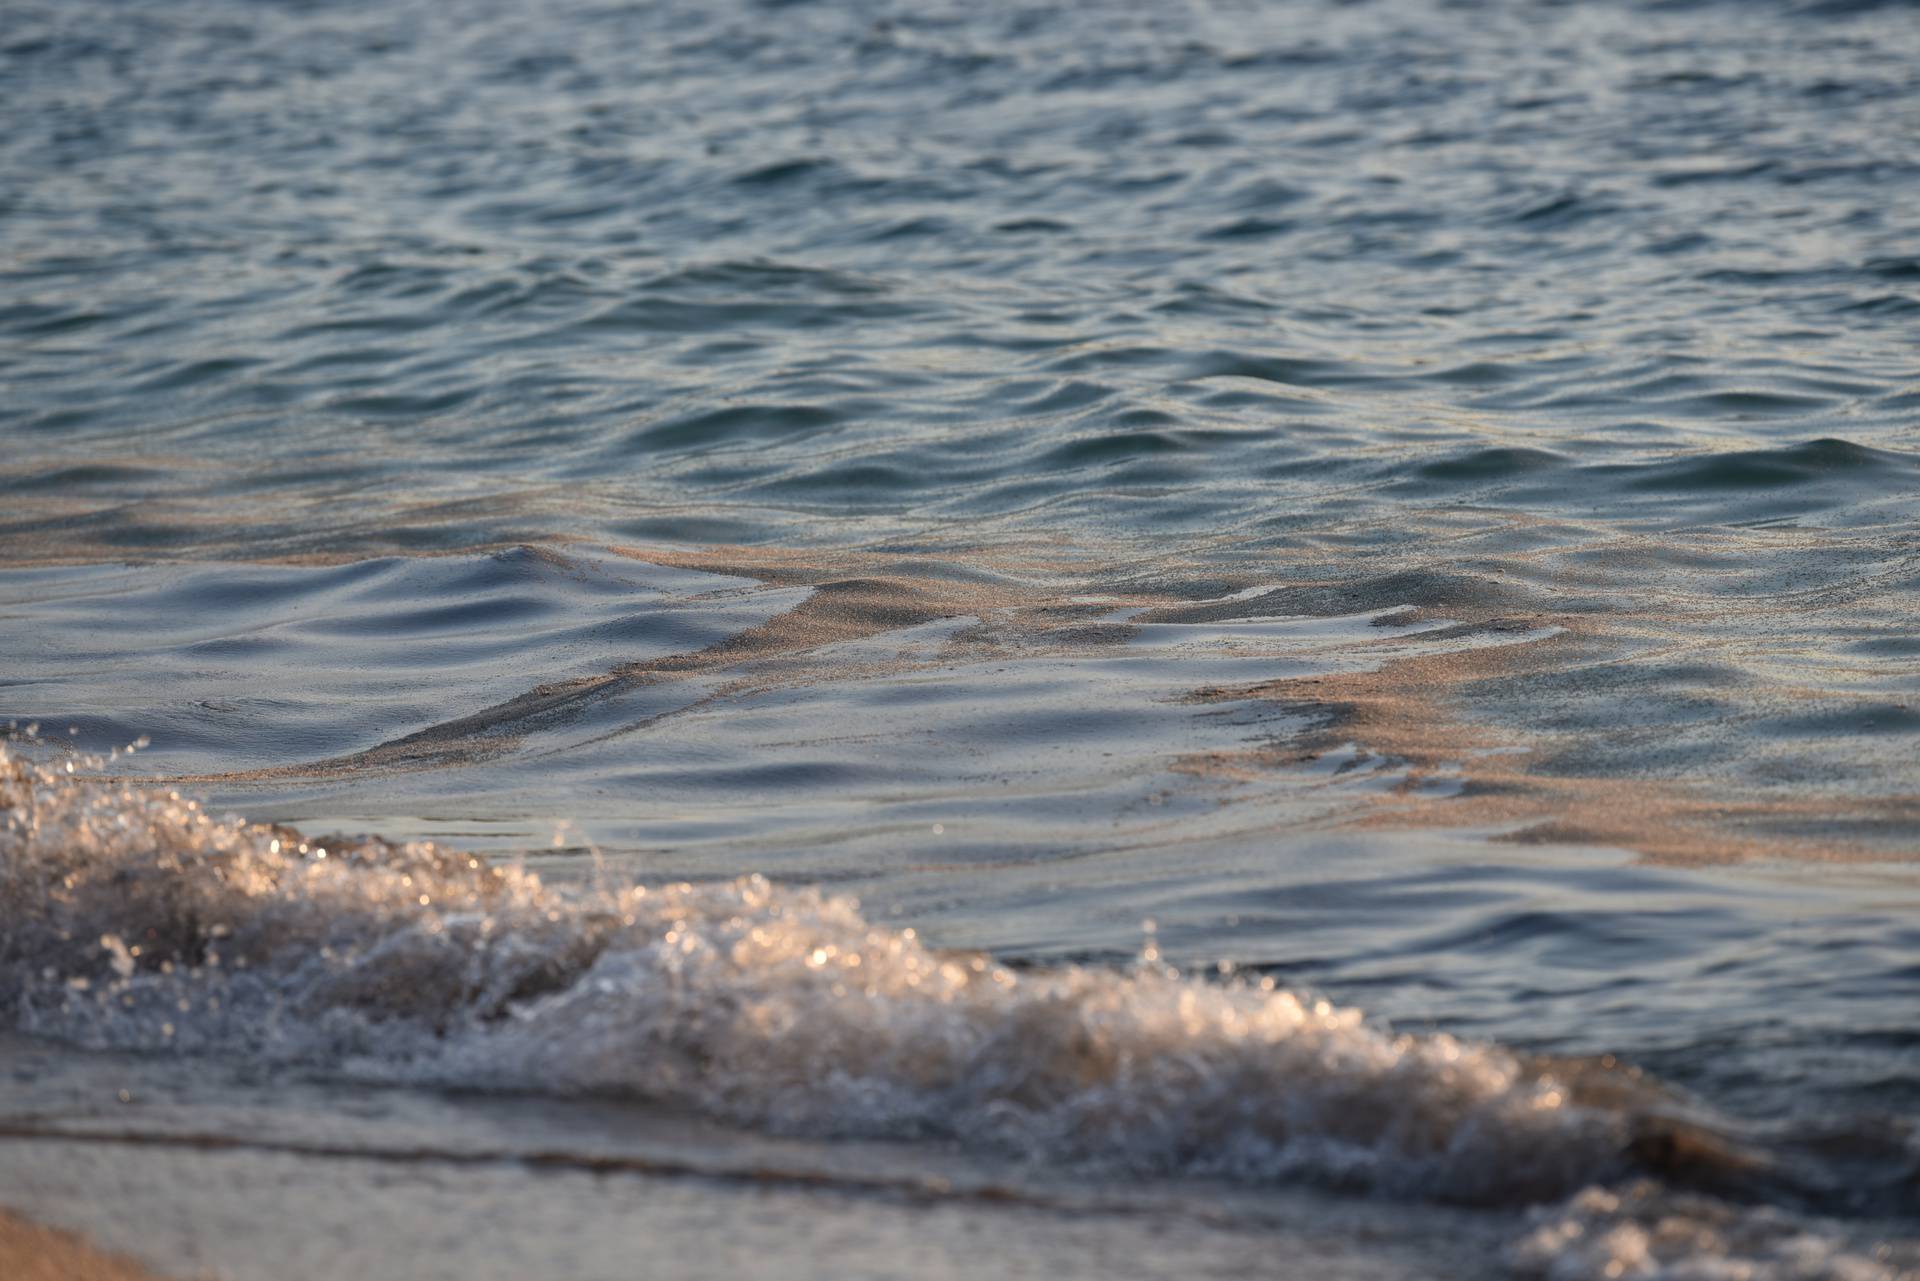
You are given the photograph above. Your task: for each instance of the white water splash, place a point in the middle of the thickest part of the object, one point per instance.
(135, 920)
(139, 921)
(1648, 1233)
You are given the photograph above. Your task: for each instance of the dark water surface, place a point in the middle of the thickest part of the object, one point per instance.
(1406, 503)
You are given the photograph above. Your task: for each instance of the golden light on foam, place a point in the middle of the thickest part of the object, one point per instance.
(932, 1030)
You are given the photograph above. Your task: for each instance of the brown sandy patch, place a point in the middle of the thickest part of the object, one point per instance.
(29, 1252)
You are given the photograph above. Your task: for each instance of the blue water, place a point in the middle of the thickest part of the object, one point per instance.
(1415, 501)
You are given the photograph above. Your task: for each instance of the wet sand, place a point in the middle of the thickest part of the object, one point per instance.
(29, 1252)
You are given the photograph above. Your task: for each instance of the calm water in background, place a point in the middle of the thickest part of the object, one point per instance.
(992, 460)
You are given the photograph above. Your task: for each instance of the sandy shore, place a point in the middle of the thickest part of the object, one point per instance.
(29, 1252)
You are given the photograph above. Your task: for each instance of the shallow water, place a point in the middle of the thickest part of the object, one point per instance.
(1398, 503)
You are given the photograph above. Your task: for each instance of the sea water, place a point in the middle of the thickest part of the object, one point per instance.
(1267, 638)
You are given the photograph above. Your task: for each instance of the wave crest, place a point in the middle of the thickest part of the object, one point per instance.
(141, 921)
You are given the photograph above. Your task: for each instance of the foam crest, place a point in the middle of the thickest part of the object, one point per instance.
(1648, 1233)
(140, 921)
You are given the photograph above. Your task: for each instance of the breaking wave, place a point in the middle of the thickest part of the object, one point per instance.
(137, 920)
(141, 921)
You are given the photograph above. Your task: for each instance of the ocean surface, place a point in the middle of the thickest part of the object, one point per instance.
(836, 639)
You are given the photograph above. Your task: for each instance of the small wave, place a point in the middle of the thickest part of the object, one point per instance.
(732, 425)
(136, 920)
(1113, 447)
(784, 171)
(758, 277)
(140, 921)
(1711, 477)
(1492, 464)
(1769, 468)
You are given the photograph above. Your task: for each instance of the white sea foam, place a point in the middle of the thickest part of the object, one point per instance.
(1648, 1233)
(134, 919)
(137, 920)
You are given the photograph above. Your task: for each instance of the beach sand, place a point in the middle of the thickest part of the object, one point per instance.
(29, 1252)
